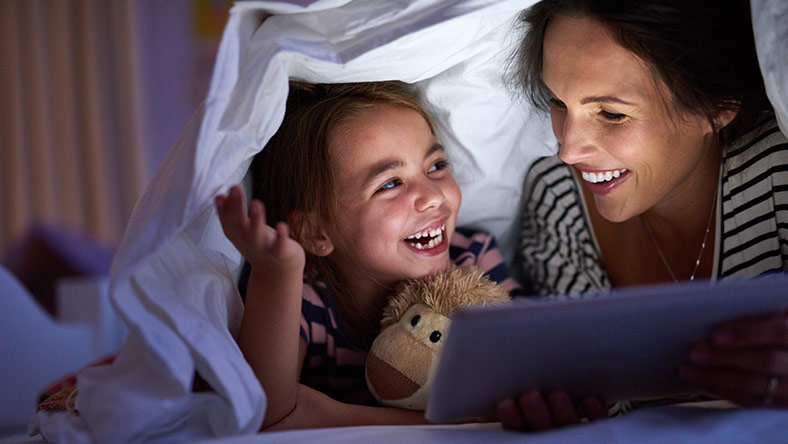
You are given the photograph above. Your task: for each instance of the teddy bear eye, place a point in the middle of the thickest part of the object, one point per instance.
(415, 320)
(435, 336)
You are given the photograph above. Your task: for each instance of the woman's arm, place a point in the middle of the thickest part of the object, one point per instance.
(269, 336)
(315, 409)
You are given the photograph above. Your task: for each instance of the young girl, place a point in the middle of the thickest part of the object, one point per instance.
(359, 197)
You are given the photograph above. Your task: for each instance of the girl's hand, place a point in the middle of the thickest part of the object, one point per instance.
(265, 247)
(532, 411)
(744, 361)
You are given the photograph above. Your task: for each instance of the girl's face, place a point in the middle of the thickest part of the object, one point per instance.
(397, 200)
(618, 126)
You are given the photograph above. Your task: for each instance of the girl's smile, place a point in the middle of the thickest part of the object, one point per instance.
(431, 241)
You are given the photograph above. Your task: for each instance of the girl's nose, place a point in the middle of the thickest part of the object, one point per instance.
(428, 194)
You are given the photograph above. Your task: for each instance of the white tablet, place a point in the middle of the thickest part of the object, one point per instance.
(625, 345)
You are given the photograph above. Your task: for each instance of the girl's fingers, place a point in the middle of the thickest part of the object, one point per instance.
(562, 410)
(256, 217)
(534, 410)
(762, 331)
(510, 416)
(594, 409)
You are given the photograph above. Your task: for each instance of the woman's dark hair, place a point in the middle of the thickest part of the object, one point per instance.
(702, 50)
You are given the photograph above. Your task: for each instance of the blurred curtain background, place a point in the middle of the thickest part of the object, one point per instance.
(71, 127)
(93, 93)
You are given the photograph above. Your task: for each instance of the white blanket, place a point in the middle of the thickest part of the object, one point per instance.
(173, 277)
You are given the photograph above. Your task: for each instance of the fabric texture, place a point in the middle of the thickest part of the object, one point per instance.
(334, 363)
(560, 252)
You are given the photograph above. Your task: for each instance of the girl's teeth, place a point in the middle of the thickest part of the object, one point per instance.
(602, 177)
(435, 235)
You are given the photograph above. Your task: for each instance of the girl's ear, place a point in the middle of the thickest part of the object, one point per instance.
(724, 117)
(309, 232)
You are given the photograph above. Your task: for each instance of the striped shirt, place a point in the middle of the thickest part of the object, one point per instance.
(334, 363)
(560, 252)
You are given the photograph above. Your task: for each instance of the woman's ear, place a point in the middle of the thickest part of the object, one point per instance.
(309, 232)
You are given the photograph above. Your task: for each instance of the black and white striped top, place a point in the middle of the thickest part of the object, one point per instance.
(561, 255)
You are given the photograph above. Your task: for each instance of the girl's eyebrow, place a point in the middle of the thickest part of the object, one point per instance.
(386, 165)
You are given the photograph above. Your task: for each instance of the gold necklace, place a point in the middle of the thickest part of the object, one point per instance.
(702, 245)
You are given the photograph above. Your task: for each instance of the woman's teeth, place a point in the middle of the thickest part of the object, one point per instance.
(606, 176)
(424, 240)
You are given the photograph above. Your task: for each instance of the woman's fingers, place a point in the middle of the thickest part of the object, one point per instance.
(745, 388)
(763, 360)
(761, 331)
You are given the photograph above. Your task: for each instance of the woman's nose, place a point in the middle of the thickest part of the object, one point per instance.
(574, 139)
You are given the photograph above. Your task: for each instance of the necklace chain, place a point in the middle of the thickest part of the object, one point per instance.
(702, 245)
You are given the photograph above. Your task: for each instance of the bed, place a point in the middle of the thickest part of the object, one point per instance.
(173, 281)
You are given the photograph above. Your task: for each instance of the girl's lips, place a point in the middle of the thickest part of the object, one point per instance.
(428, 242)
(605, 187)
(434, 251)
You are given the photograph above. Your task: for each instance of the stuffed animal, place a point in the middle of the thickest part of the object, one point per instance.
(403, 358)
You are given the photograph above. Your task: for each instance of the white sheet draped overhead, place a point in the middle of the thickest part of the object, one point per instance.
(172, 279)
(70, 131)
(172, 276)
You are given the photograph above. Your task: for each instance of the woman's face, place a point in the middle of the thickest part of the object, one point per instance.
(618, 125)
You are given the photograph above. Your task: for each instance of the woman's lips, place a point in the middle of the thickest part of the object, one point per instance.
(598, 183)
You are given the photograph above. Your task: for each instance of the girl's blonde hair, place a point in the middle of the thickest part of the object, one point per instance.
(292, 175)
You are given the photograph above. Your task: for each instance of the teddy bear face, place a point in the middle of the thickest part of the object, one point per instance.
(402, 362)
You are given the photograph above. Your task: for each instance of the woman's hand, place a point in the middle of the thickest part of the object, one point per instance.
(744, 361)
(532, 411)
(265, 247)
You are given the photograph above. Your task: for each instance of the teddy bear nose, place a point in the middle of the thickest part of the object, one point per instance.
(388, 382)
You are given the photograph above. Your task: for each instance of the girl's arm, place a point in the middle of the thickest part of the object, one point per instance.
(314, 409)
(269, 336)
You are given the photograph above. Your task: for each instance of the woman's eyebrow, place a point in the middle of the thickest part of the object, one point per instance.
(592, 99)
(604, 99)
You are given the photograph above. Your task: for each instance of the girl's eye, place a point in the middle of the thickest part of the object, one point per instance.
(439, 165)
(613, 117)
(390, 185)
(555, 103)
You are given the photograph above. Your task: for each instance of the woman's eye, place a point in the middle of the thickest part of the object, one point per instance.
(439, 165)
(613, 117)
(555, 103)
(390, 185)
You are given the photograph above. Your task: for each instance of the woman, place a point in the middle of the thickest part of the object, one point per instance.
(670, 168)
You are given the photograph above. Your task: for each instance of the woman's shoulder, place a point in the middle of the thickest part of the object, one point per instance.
(550, 190)
(761, 149)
